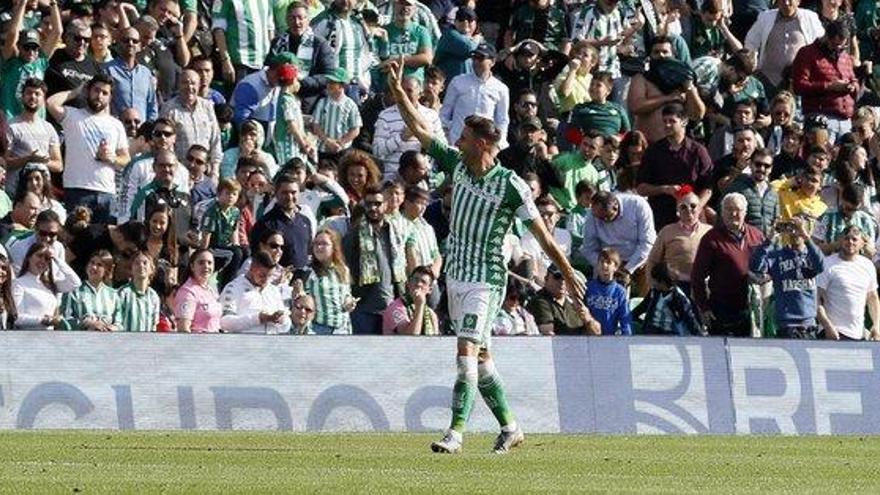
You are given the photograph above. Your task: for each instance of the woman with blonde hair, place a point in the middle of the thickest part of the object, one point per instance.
(329, 284)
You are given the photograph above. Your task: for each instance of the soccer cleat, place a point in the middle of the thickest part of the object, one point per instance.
(507, 440)
(450, 444)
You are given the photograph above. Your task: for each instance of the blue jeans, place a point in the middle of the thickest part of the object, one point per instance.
(100, 203)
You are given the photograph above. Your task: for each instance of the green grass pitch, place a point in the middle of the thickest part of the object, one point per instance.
(240, 462)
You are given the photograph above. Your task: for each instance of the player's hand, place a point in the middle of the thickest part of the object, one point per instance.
(708, 317)
(623, 277)
(394, 72)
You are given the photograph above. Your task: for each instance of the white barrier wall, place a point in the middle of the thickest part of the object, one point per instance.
(572, 385)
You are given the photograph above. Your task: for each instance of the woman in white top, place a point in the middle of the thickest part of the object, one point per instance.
(34, 177)
(35, 292)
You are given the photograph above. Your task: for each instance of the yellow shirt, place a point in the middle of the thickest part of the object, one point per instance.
(579, 91)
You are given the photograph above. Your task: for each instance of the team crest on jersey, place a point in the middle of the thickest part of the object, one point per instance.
(469, 322)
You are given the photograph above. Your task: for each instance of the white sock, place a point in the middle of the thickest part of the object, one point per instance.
(456, 435)
(509, 427)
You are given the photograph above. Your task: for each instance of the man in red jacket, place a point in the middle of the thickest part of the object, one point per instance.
(822, 74)
(720, 274)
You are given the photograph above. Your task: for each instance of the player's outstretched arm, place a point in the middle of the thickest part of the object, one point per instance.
(408, 111)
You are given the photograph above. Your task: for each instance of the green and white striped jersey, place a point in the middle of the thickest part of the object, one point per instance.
(336, 117)
(249, 28)
(139, 311)
(330, 294)
(483, 211)
(423, 241)
(349, 39)
(86, 301)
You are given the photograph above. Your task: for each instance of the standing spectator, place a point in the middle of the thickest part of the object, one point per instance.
(348, 37)
(161, 190)
(251, 139)
(407, 40)
(846, 287)
(601, 24)
(788, 162)
(478, 94)
(201, 186)
(204, 67)
(133, 84)
(25, 56)
(197, 305)
(219, 228)
(138, 301)
(672, 163)
(529, 153)
(410, 314)
(329, 283)
(833, 223)
(792, 263)
(242, 33)
(453, 53)
(194, 120)
(336, 119)
(36, 293)
(421, 243)
(763, 202)
(598, 114)
(777, 35)
(573, 167)
(251, 304)
(47, 229)
(256, 95)
(102, 38)
(20, 221)
(822, 75)
(540, 20)
(677, 243)
(606, 299)
(8, 313)
(646, 99)
(315, 57)
(622, 222)
(423, 16)
(30, 139)
(720, 272)
(96, 147)
(35, 178)
(72, 67)
(94, 305)
(572, 85)
(392, 138)
(287, 217)
(378, 264)
(358, 173)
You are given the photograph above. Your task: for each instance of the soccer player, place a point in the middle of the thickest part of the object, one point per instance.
(485, 200)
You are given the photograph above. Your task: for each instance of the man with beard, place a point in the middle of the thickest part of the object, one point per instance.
(315, 57)
(646, 100)
(24, 56)
(72, 67)
(133, 84)
(96, 146)
(30, 138)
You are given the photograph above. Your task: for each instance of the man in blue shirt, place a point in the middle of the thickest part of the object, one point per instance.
(133, 84)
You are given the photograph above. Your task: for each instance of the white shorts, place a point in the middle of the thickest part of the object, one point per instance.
(473, 307)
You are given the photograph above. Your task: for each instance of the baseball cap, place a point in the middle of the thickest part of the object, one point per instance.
(484, 50)
(529, 46)
(533, 122)
(29, 37)
(286, 74)
(338, 75)
(465, 14)
(281, 58)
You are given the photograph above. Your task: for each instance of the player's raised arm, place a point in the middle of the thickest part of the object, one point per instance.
(408, 111)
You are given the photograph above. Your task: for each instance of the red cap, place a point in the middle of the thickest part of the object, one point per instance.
(286, 74)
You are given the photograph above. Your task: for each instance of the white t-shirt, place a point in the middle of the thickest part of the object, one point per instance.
(83, 134)
(846, 285)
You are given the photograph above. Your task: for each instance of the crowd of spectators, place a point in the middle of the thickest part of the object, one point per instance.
(240, 166)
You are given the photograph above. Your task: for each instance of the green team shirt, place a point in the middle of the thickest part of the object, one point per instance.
(139, 311)
(220, 224)
(348, 38)
(86, 301)
(571, 168)
(529, 23)
(423, 241)
(248, 25)
(329, 293)
(410, 40)
(607, 118)
(13, 73)
(290, 113)
(483, 211)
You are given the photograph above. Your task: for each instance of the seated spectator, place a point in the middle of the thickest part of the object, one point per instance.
(529, 151)
(336, 120)
(719, 278)
(8, 313)
(48, 229)
(573, 85)
(376, 256)
(35, 178)
(730, 166)
(272, 243)
(358, 172)
(554, 311)
(329, 284)
(410, 313)
(163, 191)
(575, 166)
(139, 303)
(800, 196)
(606, 164)
(197, 305)
(421, 241)
(287, 217)
(134, 85)
(792, 262)
(71, 66)
(598, 114)
(250, 145)
(513, 319)
(302, 315)
(164, 246)
(253, 305)
(574, 222)
(606, 299)
(676, 244)
(788, 161)
(847, 286)
(454, 48)
(549, 211)
(623, 222)
(666, 308)
(201, 186)
(94, 305)
(414, 170)
(36, 294)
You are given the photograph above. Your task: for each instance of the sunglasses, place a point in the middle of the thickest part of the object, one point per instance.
(164, 134)
(82, 39)
(30, 48)
(529, 103)
(131, 41)
(762, 165)
(48, 233)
